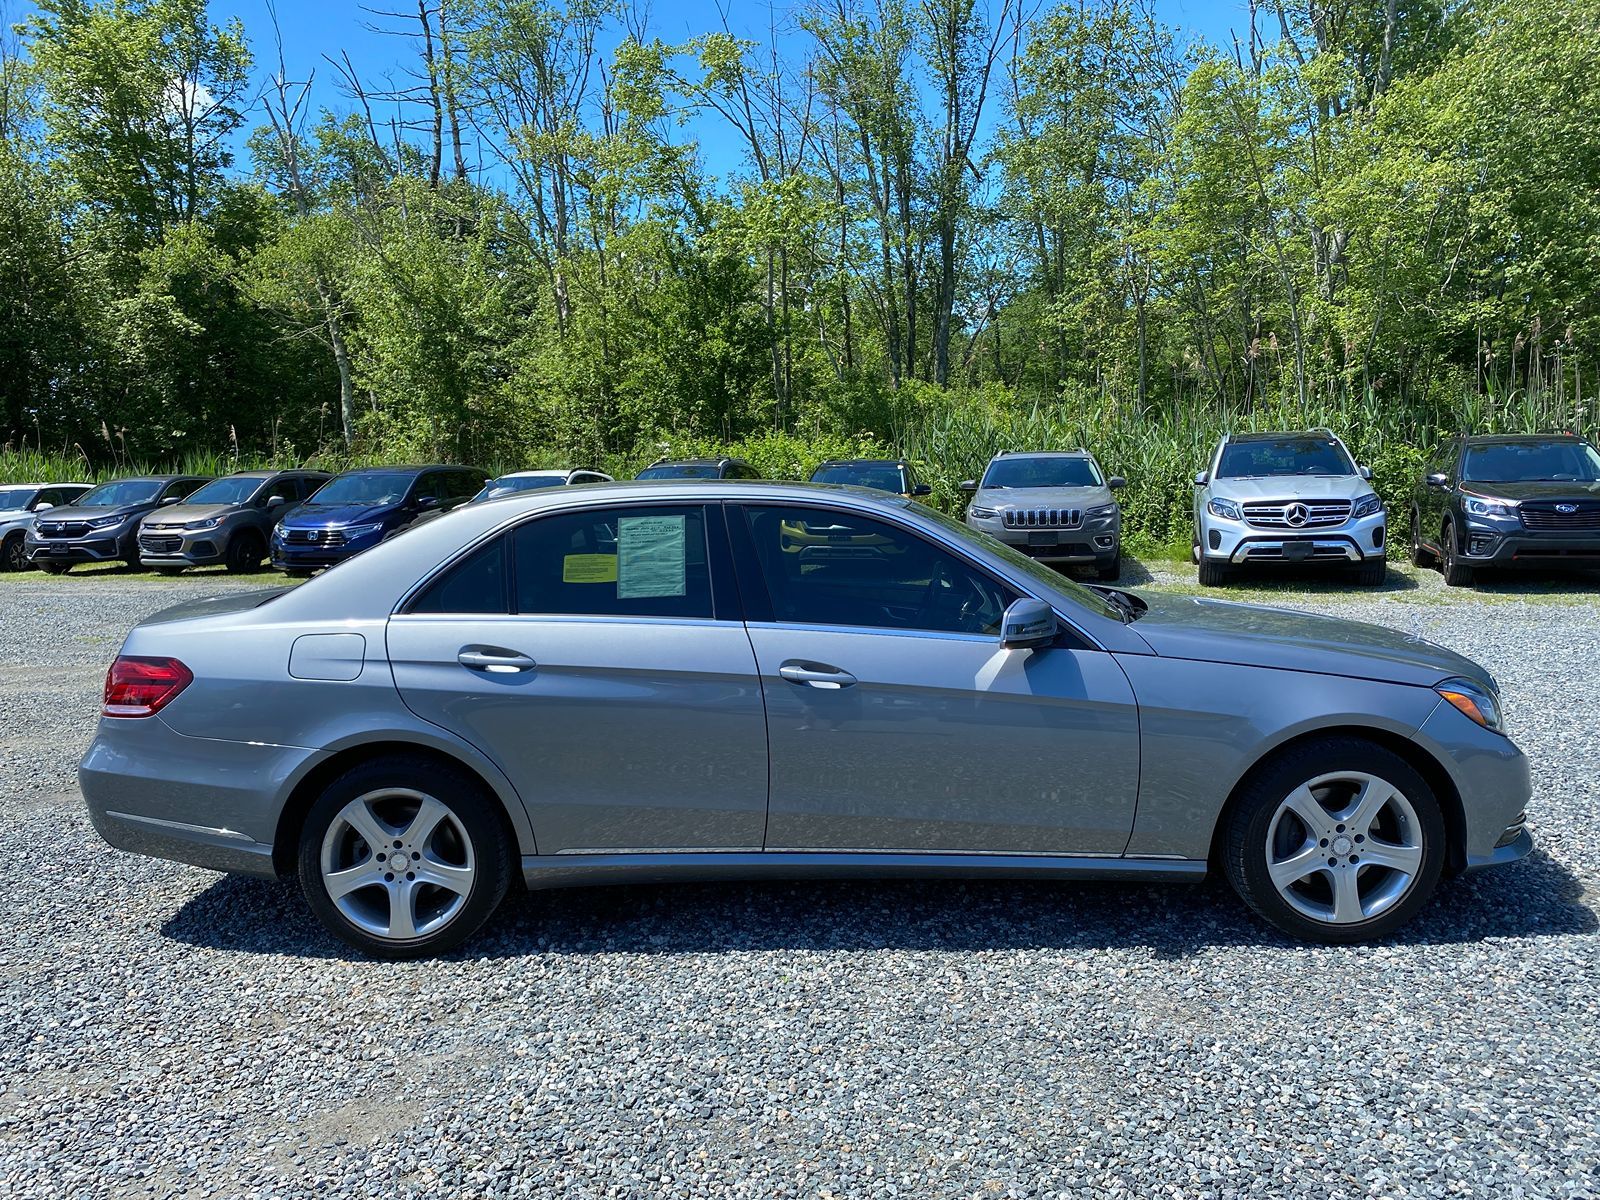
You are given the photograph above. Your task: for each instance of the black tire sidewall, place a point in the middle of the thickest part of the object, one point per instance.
(12, 556)
(1244, 842)
(465, 796)
(236, 561)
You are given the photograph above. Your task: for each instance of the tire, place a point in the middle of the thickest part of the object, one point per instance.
(1372, 572)
(13, 554)
(1339, 895)
(1455, 572)
(466, 841)
(167, 572)
(244, 553)
(1111, 571)
(55, 568)
(1212, 573)
(1419, 556)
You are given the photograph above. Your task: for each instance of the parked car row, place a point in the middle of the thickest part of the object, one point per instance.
(1264, 499)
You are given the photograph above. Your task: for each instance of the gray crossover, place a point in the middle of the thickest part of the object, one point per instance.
(102, 525)
(1287, 499)
(724, 679)
(1054, 506)
(227, 521)
(20, 505)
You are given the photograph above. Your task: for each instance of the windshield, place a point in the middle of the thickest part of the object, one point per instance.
(231, 490)
(1510, 462)
(1018, 471)
(511, 484)
(374, 488)
(681, 471)
(16, 497)
(885, 477)
(120, 492)
(1283, 456)
(1046, 577)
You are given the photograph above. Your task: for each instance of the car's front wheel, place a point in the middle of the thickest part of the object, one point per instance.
(1212, 573)
(404, 857)
(1337, 840)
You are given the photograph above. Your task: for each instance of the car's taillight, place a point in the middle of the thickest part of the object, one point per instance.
(137, 686)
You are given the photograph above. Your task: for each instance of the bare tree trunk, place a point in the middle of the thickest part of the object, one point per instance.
(437, 155)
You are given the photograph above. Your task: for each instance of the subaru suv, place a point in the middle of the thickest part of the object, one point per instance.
(1508, 502)
(1055, 506)
(103, 524)
(361, 508)
(20, 504)
(1286, 498)
(227, 521)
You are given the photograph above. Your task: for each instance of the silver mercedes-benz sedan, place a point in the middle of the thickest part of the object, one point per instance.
(705, 680)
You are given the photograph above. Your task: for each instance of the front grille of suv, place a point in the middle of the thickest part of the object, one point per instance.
(61, 529)
(1546, 515)
(1297, 514)
(160, 543)
(1042, 518)
(314, 537)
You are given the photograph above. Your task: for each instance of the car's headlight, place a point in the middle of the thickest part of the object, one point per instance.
(105, 522)
(208, 523)
(1487, 508)
(1477, 702)
(1226, 509)
(1101, 512)
(278, 533)
(982, 514)
(352, 531)
(1366, 506)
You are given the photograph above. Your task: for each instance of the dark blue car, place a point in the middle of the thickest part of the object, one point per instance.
(360, 508)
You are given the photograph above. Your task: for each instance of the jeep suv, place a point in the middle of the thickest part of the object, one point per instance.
(1055, 506)
(1508, 502)
(1286, 498)
(227, 521)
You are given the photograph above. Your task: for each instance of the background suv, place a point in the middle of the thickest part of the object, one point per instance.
(1295, 498)
(103, 524)
(699, 468)
(19, 504)
(361, 508)
(1508, 502)
(1055, 506)
(227, 521)
(894, 475)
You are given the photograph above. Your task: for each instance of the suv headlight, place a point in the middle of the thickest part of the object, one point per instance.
(1487, 508)
(1366, 506)
(105, 522)
(1226, 509)
(1475, 701)
(208, 523)
(982, 514)
(352, 531)
(1103, 512)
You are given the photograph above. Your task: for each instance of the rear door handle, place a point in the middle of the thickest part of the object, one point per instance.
(817, 675)
(494, 660)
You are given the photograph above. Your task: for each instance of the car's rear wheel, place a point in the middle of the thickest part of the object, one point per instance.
(1456, 573)
(13, 555)
(404, 857)
(1212, 573)
(1338, 840)
(245, 552)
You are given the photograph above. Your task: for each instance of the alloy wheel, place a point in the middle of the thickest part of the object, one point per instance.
(398, 864)
(1344, 847)
(13, 556)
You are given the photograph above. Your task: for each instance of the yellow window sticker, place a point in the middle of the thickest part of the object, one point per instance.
(589, 568)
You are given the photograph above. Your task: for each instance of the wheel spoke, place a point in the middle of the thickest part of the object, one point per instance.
(1368, 803)
(364, 821)
(1346, 897)
(446, 875)
(402, 917)
(1405, 859)
(1304, 805)
(429, 814)
(341, 883)
(1305, 861)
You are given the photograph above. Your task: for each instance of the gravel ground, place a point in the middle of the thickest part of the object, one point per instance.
(166, 1031)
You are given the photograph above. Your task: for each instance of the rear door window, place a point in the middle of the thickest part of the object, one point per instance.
(647, 561)
(479, 584)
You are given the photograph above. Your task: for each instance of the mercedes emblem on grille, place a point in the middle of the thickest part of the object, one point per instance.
(1566, 508)
(1296, 515)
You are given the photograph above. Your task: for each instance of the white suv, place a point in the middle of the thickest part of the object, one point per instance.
(1290, 498)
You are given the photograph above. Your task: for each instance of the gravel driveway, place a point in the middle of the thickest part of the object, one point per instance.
(170, 1032)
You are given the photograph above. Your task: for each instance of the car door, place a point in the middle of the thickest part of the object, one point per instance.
(591, 655)
(895, 720)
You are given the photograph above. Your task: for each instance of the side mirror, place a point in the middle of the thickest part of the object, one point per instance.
(45, 507)
(170, 500)
(274, 501)
(1201, 479)
(427, 502)
(922, 489)
(1364, 472)
(969, 485)
(1438, 479)
(1027, 623)
(1115, 482)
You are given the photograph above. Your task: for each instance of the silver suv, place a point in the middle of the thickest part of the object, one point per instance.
(1055, 506)
(1294, 498)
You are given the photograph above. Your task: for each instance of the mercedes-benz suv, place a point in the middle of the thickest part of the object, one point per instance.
(1297, 499)
(1055, 506)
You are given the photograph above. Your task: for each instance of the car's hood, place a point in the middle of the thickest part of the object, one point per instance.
(1292, 487)
(74, 512)
(181, 514)
(1534, 489)
(1034, 497)
(1252, 635)
(326, 516)
(216, 606)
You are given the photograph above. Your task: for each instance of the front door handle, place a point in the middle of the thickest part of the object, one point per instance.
(494, 660)
(817, 675)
